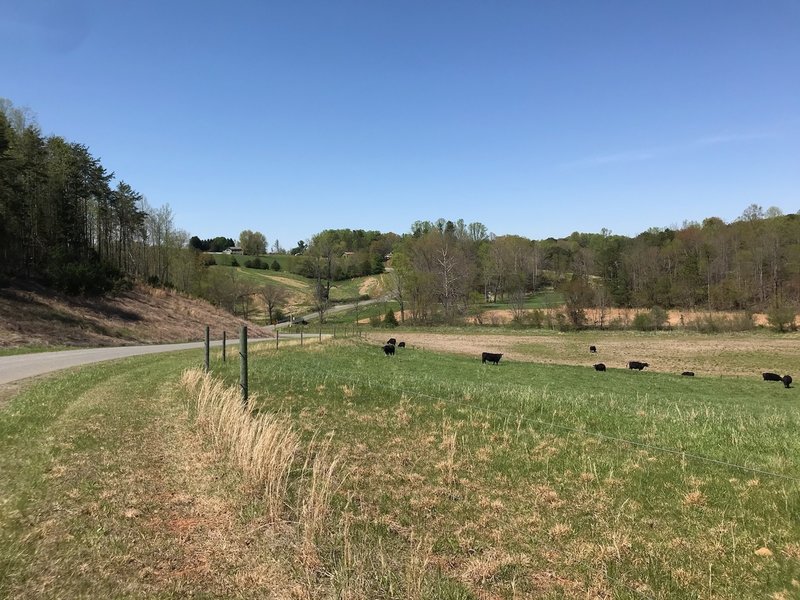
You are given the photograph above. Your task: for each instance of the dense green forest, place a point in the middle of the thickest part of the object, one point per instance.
(62, 221)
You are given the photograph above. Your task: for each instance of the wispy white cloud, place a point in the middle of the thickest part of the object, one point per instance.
(713, 140)
(660, 151)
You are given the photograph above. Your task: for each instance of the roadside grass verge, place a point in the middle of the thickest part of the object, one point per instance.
(32, 349)
(109, 489)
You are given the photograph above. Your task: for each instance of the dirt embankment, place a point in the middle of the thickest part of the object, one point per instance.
(34, 315)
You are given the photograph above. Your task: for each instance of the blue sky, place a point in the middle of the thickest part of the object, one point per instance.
(537, 118)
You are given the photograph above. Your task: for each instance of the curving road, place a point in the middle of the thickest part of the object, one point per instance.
(22, 366)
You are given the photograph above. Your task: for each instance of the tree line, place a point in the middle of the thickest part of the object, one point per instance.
(61, 220)
(441, 268)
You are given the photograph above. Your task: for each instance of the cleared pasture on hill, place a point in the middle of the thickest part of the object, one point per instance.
(547, 480)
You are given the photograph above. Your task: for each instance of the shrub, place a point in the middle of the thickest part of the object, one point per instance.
(276, 266)
(256, 263)
(209, 260)
(658, 317)
(390, 320)
(90, 278)
(375, 321)
(234, 262)
(642, 322)
(781, 318)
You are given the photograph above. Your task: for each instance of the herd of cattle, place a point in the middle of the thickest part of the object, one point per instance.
(493, 357)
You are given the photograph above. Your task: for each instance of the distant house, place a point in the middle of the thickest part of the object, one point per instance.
(233, 250)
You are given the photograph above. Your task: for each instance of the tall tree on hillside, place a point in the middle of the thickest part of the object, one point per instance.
(252, 243)
(273, 297)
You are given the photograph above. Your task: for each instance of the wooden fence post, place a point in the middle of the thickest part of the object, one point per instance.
(224, 340)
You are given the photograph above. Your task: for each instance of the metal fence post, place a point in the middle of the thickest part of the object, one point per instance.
(224, 339)
(207, 349)
(277, 335)
(243, 363)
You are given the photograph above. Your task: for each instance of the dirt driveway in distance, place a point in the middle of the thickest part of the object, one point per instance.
(744, 354)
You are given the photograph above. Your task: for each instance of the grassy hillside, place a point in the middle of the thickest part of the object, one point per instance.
(456, 480)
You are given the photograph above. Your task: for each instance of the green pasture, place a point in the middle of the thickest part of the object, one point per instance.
(457, 480)
(286, 261)
(637, 483)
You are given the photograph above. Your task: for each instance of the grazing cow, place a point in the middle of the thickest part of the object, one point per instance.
(599, 367)
(388, 349)
(392, 341)
(401, 345)
(771, 377)
(787, 381)
(688, 373)
(635, 364)
(593, 349)
(490, 357)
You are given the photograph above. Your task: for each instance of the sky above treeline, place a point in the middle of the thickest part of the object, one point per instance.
(537, 118)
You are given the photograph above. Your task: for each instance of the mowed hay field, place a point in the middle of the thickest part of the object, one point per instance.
(452, 479)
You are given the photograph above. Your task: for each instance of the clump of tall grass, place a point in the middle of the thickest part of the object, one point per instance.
(267, 450)
(315, 505)
(262, 446)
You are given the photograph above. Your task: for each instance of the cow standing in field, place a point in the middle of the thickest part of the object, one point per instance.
(401, 345)
(599, 367)
(688, 373)
(392, 341)
(593, 349)
(635, 364)
(771, 377)
(787, 381)
(490, 357)
(388, 349)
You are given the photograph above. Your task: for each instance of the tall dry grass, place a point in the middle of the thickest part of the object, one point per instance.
(262, 446)
(315, 505)
(265, 448)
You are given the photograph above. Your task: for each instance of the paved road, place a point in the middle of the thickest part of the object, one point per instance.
(22, 366)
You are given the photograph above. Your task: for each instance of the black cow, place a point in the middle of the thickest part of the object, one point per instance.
(635, 364)
(392, 341)
(771, 377)
(401, 345)
(490, 357)
(787, 381)
(388, 349)
(688, 373)
(599, 367)
(593, 349)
